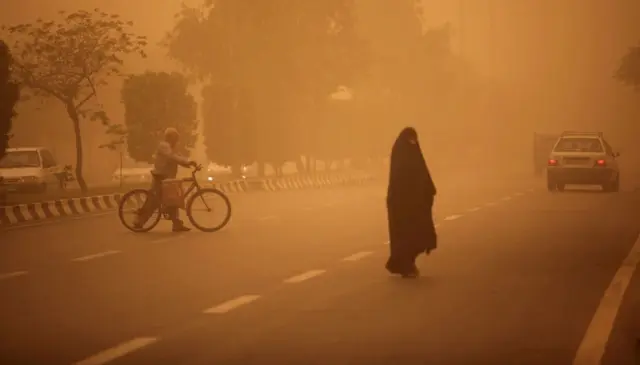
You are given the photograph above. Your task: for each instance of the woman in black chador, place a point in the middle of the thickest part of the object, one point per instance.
(409, 201)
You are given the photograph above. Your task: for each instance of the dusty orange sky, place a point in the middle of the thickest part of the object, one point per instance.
(558, 55)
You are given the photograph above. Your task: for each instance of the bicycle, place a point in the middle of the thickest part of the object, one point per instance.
(160, 211)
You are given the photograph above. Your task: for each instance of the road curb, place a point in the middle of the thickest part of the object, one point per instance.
(61, 208)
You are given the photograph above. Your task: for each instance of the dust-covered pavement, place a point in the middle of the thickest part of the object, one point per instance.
(298, 278)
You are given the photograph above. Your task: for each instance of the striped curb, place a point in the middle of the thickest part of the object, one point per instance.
(16, 214)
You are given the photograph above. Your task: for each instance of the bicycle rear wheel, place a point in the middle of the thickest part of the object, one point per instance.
(130, 205)
(213, 201)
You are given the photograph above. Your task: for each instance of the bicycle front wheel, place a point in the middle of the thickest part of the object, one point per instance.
(209, 210)
(130, 206)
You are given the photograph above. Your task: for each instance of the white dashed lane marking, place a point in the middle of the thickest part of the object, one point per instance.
(519, 194)
(506, 198)
(95, 256)
(474, 209)
(304, 276)
(12, 275)
(232, 304)
(121, 350)
(453, 217)
(491, 204)
(357, 256)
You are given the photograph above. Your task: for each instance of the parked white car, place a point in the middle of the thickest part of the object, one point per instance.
(29, 170)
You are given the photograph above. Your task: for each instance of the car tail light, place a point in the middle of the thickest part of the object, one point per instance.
(601, 163)
(553, 162)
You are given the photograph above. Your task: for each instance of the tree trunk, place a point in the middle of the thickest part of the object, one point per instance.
(300, 166)
(75, 119)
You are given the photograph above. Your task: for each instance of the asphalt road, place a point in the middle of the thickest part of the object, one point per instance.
(298, 278)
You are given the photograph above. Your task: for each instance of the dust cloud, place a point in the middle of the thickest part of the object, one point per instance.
(531, 66)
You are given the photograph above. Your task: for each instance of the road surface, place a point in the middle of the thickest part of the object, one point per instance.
(298, 278)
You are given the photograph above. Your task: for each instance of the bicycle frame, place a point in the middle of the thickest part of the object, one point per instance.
(195, 186)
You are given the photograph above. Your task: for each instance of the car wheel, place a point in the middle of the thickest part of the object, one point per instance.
(560, 187)
(551, 186)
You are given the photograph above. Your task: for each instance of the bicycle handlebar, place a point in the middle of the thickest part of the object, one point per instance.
(196, 169)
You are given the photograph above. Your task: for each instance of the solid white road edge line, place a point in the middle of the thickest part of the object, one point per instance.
(595, 340)
(95, 256)
(232, 304)
(113, 353)
(304, 276)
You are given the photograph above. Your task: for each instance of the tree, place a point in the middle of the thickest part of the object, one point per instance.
(413, 75)
(394, 31)
(229, 126)
(288, 55)
(629, 70)
(69, 59)
(154, 101)
(388, 97)
(9, 96)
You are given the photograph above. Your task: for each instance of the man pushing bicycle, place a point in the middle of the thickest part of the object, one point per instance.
(165, 167)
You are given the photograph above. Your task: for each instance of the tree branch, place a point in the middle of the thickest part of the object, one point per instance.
(36, 82)
(87, 98)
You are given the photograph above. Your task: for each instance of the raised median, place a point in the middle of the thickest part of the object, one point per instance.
(65, 206)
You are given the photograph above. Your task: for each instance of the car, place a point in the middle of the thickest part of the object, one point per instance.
(583, 158)
(215, 171)
(29, 170)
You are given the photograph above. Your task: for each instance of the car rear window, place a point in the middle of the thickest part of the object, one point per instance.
(579, 145)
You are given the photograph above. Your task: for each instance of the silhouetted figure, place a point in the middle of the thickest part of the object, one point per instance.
(409, 203)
